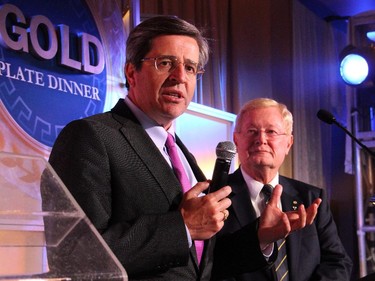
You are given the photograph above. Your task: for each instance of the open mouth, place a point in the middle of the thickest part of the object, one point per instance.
(174, 94)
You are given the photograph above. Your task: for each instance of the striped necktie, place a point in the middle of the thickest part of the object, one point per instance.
(281, 263)
(180, 173)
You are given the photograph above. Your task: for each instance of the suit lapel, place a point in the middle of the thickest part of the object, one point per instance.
(241, 203)
(147, 151)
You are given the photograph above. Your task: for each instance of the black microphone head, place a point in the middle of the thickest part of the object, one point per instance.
(226, 150)
(326, 116)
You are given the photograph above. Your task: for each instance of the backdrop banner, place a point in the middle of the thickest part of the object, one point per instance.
(56, 65)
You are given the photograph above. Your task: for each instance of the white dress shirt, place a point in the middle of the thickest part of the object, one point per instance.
(257, 199)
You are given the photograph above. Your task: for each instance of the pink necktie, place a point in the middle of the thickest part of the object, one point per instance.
(179, 171)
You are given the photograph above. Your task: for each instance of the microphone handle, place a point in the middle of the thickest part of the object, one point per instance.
(220, 174)
(372, 153)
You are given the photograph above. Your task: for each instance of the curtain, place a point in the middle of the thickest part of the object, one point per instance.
(316, 85)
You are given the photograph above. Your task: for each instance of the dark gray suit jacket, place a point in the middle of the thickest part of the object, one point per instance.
(131, 195)
(314, 253)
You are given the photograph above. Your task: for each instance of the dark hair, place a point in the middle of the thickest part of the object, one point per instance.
(139, 42)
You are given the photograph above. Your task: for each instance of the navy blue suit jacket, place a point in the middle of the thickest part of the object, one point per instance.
(314, 253)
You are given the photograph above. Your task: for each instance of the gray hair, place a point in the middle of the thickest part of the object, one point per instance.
(261, 103)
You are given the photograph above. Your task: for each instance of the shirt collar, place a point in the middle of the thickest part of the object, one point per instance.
(255, 186)
(154, 130)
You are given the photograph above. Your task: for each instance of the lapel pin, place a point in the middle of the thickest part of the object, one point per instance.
(294, 207)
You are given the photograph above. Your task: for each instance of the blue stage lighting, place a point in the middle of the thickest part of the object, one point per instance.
(354, 69)
(356, 65)
(371, 35)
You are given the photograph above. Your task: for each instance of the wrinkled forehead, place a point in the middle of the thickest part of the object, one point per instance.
(264, 117)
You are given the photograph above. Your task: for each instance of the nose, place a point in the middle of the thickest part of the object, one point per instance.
(261, 138)
(178, 73)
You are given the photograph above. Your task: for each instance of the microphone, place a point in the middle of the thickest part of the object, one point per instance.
(225, 152)
(328, 118)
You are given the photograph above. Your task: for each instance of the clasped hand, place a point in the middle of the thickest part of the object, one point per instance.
(204, 215)
(275, 224)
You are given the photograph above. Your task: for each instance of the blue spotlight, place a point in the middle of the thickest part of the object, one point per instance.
(354, 69)
(357, 65)
(371, 35)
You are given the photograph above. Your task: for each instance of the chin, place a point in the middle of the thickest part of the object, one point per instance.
(261, 161)
(177, 110)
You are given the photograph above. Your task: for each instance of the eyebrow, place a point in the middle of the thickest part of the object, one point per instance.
(174, 57)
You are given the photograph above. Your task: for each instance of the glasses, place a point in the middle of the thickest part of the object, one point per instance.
(166, 64)
(271, 134)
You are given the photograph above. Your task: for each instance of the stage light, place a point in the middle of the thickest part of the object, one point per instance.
(371, 35)
(357, 65)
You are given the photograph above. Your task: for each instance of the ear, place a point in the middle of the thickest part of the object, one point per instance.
(235, 138)
(129, 73)
(289, 145)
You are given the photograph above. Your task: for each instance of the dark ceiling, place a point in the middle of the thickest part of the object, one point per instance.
(339, 8)
(348, 7)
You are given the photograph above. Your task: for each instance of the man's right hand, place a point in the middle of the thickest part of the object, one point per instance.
(275, 224)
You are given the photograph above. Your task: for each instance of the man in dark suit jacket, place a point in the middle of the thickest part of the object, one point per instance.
(116, 167)
(263, 136)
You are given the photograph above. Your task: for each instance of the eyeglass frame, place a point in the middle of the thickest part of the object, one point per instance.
(271, 134)
(175, 62)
